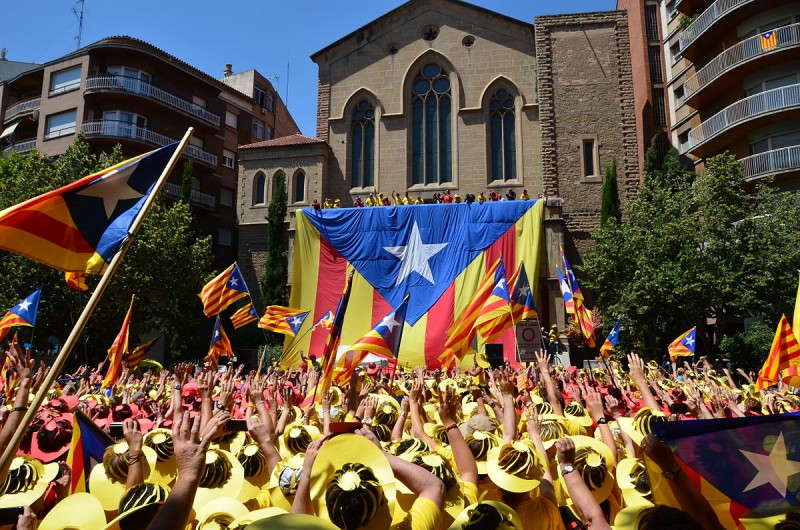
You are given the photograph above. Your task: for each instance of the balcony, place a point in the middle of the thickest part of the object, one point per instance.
(198, 198)
(743, 52)
(715, 11)
(24, 146)
(124, 130)
(771, 162)
(22, 107)
(749, 108)
(116, 83)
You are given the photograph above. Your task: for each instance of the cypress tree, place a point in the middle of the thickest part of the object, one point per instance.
(609, 208)
(276, 273)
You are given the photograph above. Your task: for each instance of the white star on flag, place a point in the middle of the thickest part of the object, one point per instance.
(390, 322)
(296, 320)
(613, 333)
(232, 282)
(112, 189)
(524, 290)
(773, 469)
(414, 256)
(24, 305)
(689, 341)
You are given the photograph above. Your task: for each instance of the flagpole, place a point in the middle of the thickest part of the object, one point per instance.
(60, 361)
(291, 342)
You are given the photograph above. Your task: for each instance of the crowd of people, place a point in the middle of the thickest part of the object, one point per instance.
(395, 199)
(549, 447)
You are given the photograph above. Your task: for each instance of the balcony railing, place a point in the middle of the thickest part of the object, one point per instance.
(714, 12)
(22, 107)
(766, 102)
(771, 162)
(786, 37)
(143, 88)
(121, 129)
(21, 147)
(198, 198)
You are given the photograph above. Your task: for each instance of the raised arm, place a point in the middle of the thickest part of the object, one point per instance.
(578, 491)
(543, 362)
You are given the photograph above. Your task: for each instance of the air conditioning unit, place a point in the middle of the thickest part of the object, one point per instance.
(263, 110)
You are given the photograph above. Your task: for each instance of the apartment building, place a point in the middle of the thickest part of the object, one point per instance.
(121, 90)
(733, 83)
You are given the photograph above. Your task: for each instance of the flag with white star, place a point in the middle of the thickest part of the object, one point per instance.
(684, 345)
(437, 253)
(745, 467)
(611, 341)
(384, 338)
(282, 319)
(223, 290)
(81, 226)
(22, 314)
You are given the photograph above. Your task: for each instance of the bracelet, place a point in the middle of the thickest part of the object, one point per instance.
(404, 414)
(250, 406)
(19, 409)
(260, 403)
(451, 426)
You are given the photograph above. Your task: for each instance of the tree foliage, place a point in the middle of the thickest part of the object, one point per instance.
(276, 270)
(165, 267)
(692, 248)
(609, 207)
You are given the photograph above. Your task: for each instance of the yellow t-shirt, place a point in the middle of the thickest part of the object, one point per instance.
(424, 515)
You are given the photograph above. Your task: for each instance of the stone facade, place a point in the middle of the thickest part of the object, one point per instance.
(570, 80)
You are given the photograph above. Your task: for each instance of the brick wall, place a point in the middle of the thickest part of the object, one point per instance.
(585, 91)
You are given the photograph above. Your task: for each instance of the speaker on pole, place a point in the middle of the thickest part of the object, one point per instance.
(494, 353)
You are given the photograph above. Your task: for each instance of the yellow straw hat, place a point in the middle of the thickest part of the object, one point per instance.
(219, 514)
(107, 479)
(296, 438)
(632, 480)
(480, 443)
(284, 481)
(594, 463)
(166, 468)
(136, 499)
(516, 467)
(484, 514)
(292, 521)
(255, 515)
(575, 411)
(26, 481)
(223, 476)
(79, 511)
(256, 472)
(350, 471)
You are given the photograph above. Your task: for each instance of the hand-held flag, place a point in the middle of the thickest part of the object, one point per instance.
(220, 345)
(136, 355)
(76, 280)
(22, 314)
(118, 349)
(79, 227)
(223, 290)
(244, 316)
(573, 282)
(329, 353)
(684, 345)
(611, 341)
(463, 331)
(325, 322)
(523, 305)
(785, 352)
(89, 442)
(566, 293)
(282, 319)
(495, 316)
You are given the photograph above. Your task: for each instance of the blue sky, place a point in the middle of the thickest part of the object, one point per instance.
(260, 34)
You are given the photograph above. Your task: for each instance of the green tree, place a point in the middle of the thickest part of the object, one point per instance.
(273, 284)
(609, 207)
(165, 267)
(695, 247)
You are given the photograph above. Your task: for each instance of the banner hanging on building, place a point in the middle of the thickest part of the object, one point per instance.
(437, 253)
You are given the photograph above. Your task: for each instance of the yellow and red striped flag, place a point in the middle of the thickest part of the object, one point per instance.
(463, 331)
(244, 316)
(220, 345)
(768, 40)
(223, 290)
(76, 280)
(133, 359)
(785, 352)
(118, 349)
(583, 316)
(496, 315)
(282, 319)
(331, 345)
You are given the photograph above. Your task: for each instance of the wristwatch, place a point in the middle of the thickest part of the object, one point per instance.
(367, 421)
(177, 387)
(566, 470)
(220, 406)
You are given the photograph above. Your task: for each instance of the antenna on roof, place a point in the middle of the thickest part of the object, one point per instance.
(79, 15)
(286, 97)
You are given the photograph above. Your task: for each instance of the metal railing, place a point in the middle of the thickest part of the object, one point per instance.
(198, 198)
(121, 129)
(21, 147)
(786, 37)
(21, 107)
(714, 12)
(143, 88)
(771, 162)
(745, 109)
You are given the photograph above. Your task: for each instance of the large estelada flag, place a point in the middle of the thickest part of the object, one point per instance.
(437, 253)
(745, 467)
(79, 227)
